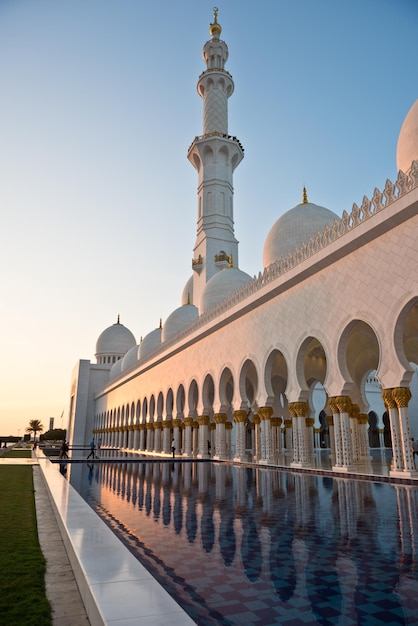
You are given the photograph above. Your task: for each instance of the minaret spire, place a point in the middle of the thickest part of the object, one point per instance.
(215, 154)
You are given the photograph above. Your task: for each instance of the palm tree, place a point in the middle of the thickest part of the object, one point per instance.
(34, 427)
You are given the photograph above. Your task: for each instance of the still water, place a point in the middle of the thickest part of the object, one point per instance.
(240, 545)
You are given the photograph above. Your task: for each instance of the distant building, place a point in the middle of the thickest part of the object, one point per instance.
(320, 349)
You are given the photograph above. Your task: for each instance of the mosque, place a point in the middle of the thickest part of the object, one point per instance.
(318, 351)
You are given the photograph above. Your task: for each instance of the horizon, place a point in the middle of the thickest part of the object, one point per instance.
(99, 200)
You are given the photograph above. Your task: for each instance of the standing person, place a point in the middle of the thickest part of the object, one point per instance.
(92, 448)
(64, 450)
(173, 447)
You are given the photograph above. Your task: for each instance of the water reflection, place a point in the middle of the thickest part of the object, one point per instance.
(238, 545)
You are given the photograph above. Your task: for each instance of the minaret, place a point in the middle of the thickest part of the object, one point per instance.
(215, 155)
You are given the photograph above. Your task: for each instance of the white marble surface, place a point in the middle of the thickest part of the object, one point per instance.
(116, 589)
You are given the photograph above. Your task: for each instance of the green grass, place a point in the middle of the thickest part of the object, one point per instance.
(19, 454)
(22, 565)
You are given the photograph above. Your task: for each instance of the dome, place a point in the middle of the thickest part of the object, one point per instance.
(130, 358)
(114, 342)
(407, 150)
(178, 320)
(115, 370)
(295, 227)
(222, 285)
(187, 295)
(150, 342)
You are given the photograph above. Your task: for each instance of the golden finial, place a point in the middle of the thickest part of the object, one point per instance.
(161, 322)
(118, 322)
(231, 261)
(188, 297)
(305, 197)
(215, 28)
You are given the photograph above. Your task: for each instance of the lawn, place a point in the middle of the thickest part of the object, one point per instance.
(22, 564)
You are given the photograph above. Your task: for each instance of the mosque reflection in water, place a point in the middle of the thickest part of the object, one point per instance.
(241, 545)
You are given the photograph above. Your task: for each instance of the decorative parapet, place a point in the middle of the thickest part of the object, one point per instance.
(215, 133)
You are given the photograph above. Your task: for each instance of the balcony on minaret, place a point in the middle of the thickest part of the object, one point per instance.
(197, 264)
(222, 260)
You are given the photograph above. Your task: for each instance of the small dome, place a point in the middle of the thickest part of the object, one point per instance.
(150, 342)
(130, 358)
(187, 295)
(115, 370)
(115, 341)
(178, 320)
(222, 285)
(407, 150)
(294, 228)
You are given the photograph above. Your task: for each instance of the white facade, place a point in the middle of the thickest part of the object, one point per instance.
(248, 362)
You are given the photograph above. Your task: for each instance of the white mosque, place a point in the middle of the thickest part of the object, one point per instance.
(320, 350)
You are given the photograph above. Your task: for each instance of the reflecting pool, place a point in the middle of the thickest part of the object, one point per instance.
(241, 545)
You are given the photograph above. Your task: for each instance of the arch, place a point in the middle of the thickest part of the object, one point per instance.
(169, 404)
(192, 399)
(208, 395)
(180, 402)
(359, 351)
(275, 381)
(248, 384)
(138, 412)
(151, 411)
(144, 410)
(160, 406)
(226, 390)
(311, 365)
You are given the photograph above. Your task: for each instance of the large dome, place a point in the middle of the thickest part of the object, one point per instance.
(150, 342)
(407, 150)
(178, 320)
(130, 358)
(113, 343)
(222, 285)
(295, 227)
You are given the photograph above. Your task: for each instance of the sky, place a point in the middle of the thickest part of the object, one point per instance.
(98, 201)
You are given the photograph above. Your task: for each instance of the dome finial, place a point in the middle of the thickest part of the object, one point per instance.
(215, 28)
(305, 197)
(231, 261)
(161, 322)
(118, 322)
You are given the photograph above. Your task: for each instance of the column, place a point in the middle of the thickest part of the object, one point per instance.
(363, 420)
(256, 438)
(330, 423)
(167, 424)
(220, 419)
(338, 449)
(265, 413)
(157, 436)
(136, 436)
(195, 437)
(402, 396)
(276, 443)
(177, 435)
(310, 421)
(204, 437)
(301, 454)
(228, 433)
(240, 419)
(355, 432)
(392, 409)
(288, 435)
(188, 424)
(150, 436)
(142, 428)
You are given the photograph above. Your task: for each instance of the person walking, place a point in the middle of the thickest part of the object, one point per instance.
(173, 447)
(92, 448)
(64, 450)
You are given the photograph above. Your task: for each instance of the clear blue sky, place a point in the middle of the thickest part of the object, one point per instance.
(98, 201)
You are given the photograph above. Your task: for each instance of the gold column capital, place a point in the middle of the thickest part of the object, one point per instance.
(203, 420)
(298, 409)
(310, 421)
(330, 420)
(167, 424)
(344, 404)
(363, 418)
(149, 426)
(177, 423)
(256, 419)
(388, 399)
(240, 416)
(220, 418)
(188, 421)
(228, 425)
(275, 421)
(288, 423)
(355, 411)
(402, 396)
(265, 412)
